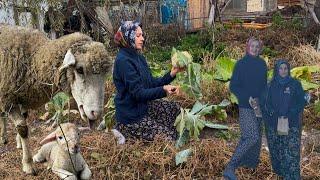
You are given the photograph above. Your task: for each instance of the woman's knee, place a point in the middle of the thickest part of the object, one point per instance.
(176, 107)
(254, 140)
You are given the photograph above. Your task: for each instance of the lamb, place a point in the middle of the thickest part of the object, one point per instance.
(56, 148)
(34, 68)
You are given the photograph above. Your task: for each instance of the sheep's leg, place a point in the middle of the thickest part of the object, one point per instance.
(86, 172)
(43, 153)
(39, 157)
(19, 118)
(18, 140)
(120, 138)
(3, 129)
(63, 174)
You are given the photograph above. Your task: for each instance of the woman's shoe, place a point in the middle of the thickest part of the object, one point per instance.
(229, 174)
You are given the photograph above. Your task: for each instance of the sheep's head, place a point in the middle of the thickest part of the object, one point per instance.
(67, 136)
(83, 75)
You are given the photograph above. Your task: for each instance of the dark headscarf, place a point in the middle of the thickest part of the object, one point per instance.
(276, 75)
(125, 36)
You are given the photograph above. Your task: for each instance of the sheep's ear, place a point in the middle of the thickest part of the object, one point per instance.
(51, 137)
(61, 77)
(68, 60)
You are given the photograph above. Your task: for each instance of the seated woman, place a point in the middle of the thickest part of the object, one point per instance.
(282, 110)
(139, 111)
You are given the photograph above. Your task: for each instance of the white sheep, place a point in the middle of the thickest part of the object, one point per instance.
(61, 149)
(33, 69)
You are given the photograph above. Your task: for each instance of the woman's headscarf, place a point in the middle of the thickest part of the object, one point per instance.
(250, 41)
(125, 36)
(276, 75)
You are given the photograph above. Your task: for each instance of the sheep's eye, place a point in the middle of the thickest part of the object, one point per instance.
(80, 70)
(60, 137)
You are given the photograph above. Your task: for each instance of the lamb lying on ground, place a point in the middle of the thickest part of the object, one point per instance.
(61, 149)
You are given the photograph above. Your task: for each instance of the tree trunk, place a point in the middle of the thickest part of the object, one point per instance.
(310, 6)
(211, 15)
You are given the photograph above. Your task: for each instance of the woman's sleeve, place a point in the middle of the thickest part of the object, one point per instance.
(299, 101)
(161, 81)
(236, 83)
(265, 102)
(265, 77)
(132, 81)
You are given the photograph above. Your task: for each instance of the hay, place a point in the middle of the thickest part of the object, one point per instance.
(303, 55)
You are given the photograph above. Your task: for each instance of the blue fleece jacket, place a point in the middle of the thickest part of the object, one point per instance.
(249, 78)
(283, 99)
(135, 86)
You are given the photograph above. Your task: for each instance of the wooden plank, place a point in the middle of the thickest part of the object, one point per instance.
(102, 15)
(198, 13)
(289, 2)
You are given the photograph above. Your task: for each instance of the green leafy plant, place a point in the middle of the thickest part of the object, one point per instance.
(180, 59)
(108, 121)
(192, 121)
(156, 69)
(190, 81)
(304, 74)
(317, 107)
(198, 45)
(109, 116)
(237, 21)
(182, 156)
(269, 52)
(56, 107)
(158, 54)
(277, 20)
(227, 135)
(224, 68)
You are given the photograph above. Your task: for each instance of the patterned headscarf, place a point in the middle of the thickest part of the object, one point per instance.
(125, 36)
(250, 41)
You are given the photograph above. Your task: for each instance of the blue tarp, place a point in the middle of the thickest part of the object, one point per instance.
(171, 9)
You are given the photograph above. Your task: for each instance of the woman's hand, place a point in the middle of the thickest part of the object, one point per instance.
(171, 90)
(175, 70)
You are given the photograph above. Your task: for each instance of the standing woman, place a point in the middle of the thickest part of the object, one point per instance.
(139, 111)
(249, 79)
(284, 101)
